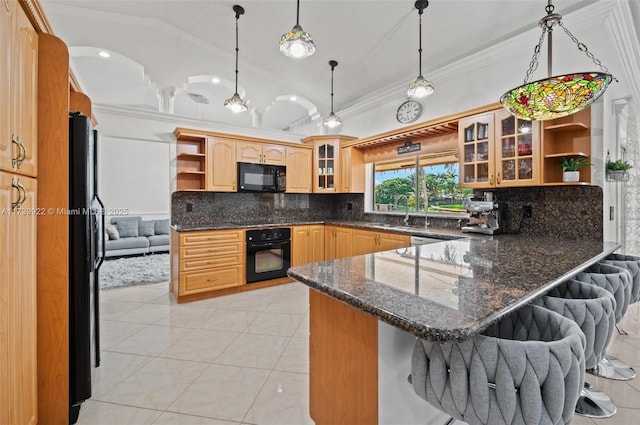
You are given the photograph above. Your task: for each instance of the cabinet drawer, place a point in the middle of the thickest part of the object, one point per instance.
(210, 279)
(210, 250)
(210, 262)
(215, 237)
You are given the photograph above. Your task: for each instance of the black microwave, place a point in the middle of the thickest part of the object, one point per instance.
(261, 177)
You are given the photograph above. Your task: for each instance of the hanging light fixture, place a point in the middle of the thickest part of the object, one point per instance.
(558, 96)
(420, 87)
(297, 43)
(235, 102)
(332, 121)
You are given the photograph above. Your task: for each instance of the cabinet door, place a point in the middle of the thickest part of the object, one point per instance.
(343, 242)
(365, 242)
(517, 151)
(326, 163)
(7, 195)
(7, 15)
(248, 152)
(316, 243)
(476, 144)
(221, 165)
(300, 245)
(352, 172)
(25, 98)
(299, 163)
(329, 242)
(274, 154)
(387, 241)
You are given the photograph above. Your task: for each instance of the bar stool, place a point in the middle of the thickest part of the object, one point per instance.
(618, 282)
(593, 309)
(528, 368)
(632, 264)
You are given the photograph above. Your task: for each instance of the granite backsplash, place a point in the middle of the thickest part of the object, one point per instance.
(566, 212)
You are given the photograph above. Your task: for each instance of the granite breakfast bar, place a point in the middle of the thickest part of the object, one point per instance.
(366, 311)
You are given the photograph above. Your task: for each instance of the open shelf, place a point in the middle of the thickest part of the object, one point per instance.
(563, 154)
(570, 126)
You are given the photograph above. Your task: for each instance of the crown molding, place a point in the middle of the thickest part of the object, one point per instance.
(622, 29)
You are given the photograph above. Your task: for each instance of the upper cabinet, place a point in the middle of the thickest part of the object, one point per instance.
(326, 162)
(563, 138)
(18, 90)
(299, 163)
(222, 173)
(498, 150)
(260, 153)
(190, 161)
(352, 173)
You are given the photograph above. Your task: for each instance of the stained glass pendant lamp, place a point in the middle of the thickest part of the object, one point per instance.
(332, 121)
(235, 102)
(558, 96)
(420, 87)
(297, 43)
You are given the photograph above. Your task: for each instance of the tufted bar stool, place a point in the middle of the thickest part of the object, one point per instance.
(528, 368)
(593, 309)
(618, 282)
(632, 264)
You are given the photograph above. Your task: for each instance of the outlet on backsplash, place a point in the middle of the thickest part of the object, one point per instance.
(189, 207)
(526, 211)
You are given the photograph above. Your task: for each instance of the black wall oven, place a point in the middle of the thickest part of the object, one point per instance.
(268, 253)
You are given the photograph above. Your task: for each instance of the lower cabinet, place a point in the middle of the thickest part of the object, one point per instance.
(338, 242)
(307, 244)
(18, 327)
(208, 261)
(367, 241)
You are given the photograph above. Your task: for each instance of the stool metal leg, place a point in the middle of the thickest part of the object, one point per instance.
(594, 403)
(612, 368)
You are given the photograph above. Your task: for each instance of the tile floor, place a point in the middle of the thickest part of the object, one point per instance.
(240, 359)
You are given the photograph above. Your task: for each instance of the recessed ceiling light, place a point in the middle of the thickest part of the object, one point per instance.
(104, 54)
(293, 98)
(215, 80)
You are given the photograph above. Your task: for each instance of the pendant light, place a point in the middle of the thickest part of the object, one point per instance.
(235, 102)
(297, 43)
(332, 121)
(558, 96)
(420, 87)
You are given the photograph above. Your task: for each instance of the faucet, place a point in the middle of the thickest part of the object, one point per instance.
(406, 203)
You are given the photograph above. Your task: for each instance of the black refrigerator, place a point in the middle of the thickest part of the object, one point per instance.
(86, 255)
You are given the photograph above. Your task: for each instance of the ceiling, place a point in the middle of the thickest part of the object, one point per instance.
(184, 50)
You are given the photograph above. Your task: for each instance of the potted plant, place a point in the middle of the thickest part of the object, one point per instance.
(571, 167)
(617, 170)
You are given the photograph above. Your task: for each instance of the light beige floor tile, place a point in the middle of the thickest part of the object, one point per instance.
(620, 392)
(283, 400)
(295, 357)
(114, 368)
(146, 313)
(181, 316)
(221, 392)
(296, 305)
(157, 384)
(150, 341)
(261, 351)
(99, 413)
(282, 324)
(201, 345)
(168, 418)
(139, 294)
(581, 420)
(623, 416)
(165, 299)
(229, 320)
(303, 328)
(113, 332)
(110, 310)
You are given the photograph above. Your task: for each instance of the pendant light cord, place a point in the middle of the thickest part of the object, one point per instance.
(332, 67)
(420, 10)
(237, 50)
(298, 13)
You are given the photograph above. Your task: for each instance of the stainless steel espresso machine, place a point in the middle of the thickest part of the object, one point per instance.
(485, 215)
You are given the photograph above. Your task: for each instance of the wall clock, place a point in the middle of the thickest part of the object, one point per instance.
(408, 112)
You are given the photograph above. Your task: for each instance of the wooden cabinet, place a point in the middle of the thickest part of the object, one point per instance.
(260, 153)
(18, 286)
(352, 173)
(566, 137)
(299, 165)
(190, 161)
(222, 174)
(367, 242)
(209, 261)
(18, 90)
(326, 161)
(498, 150)
(307, 244)
(338, 242)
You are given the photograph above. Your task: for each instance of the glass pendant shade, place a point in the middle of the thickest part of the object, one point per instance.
(235, 103)
(332, 121)
(297, 43)
(420, 88)
(555, 97)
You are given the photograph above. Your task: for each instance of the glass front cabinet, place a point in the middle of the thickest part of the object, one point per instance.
(499, 150)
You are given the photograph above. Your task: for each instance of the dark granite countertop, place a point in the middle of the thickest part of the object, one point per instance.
(453, 289)
(434, 232)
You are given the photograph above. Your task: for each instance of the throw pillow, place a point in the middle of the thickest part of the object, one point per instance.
(162, 227)
(127, 229)
(146, 228)
(112, 231)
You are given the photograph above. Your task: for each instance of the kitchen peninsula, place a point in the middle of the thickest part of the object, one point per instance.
(445, 291)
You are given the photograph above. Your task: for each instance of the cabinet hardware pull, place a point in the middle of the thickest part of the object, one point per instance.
(22, 153)
(22, 194)
(6, 5)
(491, 179)
(498, 178)
(211, 280)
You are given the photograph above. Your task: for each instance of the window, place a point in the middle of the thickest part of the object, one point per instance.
(437, 175)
